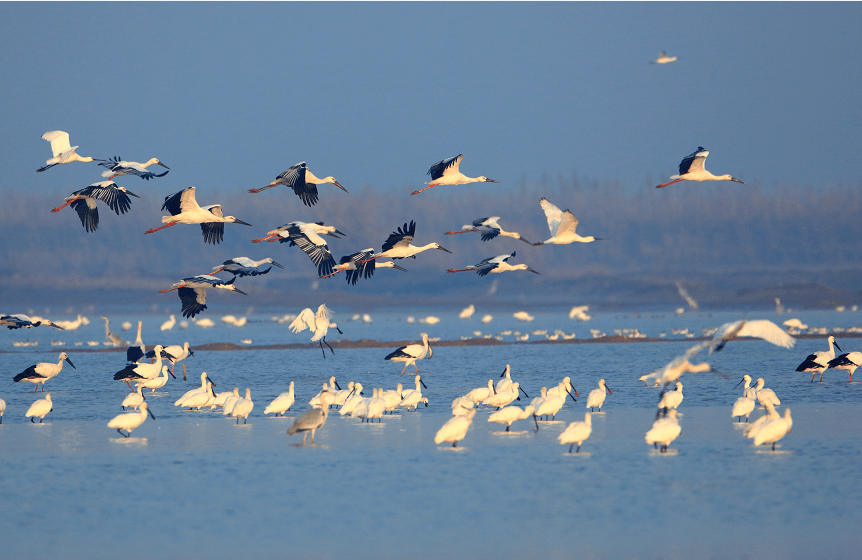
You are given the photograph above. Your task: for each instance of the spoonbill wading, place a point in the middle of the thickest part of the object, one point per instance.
(445, 172)
(184, 209)
(303, 182)
(691, 169)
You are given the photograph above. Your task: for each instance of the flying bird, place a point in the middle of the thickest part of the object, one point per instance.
(763, 328)
(361, 264)
(691, 169)
(184, 209)
(663, 58)
(489, 228)
(562, 225)
(20, 321)
(193, 291)
(84, 202)
(244, 266)
(63, 152)
(445, 172)
(494, 265)
(118, 167)
(307, 236)
(398, 244)
(302, 181)
(319, 323)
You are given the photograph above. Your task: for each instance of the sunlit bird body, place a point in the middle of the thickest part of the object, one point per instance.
(311, 420)
(562, 225)
(307, 236)
(511, 414)
(494, 265)
(243, 407)
(410, 398)
(691, 169)
(848, 362)
(399, 244)
(141, 371)
(744, 405)
(303, 182)
(664, 431)
(84, 202)
(765, 395)
(489, 228)
(479, 394)
(671, 399)
(319, 323)
(117, 167)
(504, 398)
(445, 172)
(663, 58)
(818, 362)
(774, 429)
(281, 403)
(43, 371)
(62, 150)
(597, 397)
(361, 264)
(193, 291)
(455, 428)
(130, 420)
(155, 382)
(577, 432)
(134, 400)
(39, 409)
(184, 209)
(763, 328)
(411, 353)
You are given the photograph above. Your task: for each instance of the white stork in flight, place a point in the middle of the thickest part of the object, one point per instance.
(302, 181)
(184, 209)
(359, 264)
(84, 202)
(117, 166)
(691, 169)
(494, 265)
(445, 172)
(489, 228)
(193, 292)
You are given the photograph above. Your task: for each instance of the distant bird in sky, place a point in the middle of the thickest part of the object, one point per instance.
(302, 181)
(184, 209)
(117, 167)
(43, 371)
(193, 292)
(63, 152)
(399, 244)
(244, 266)
(663, 58)
(494, 265)
(818, 362)
(84, 202)
(489, 228)
(20, 321)
(691, 169)
(319, 323)
(412, 352)
(307, 236)
(445, 172)
(361, 264)
(562, 225)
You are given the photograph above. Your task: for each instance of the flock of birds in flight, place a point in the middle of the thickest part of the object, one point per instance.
(184, 209)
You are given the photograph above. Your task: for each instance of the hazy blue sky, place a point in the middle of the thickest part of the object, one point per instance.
(231, 94)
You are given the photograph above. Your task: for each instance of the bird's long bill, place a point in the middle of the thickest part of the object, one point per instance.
(163, 165)
(337, 184)
(172, 374)
(490, 180)
(339, 332)
(502, 374)
(151, 413)
(531, 270)
(337, 385)
(237, 290)
(836, 346)
(523, 391)
(276, 264)
(333, 234)
(443, 249)
(241, 222)
(132, 194)
(73, 365)
(211, 380)
(396, 267)
(423, 383)
(736, 180)
(525, 241)
(609, 389)
(740, 383)
(192, 354)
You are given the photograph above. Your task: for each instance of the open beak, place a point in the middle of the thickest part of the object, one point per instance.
(73, 365)
(337, 184)
(276, 264)
(442, 249)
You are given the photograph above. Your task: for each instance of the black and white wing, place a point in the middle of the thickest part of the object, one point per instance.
(441, 167)
(194, 300)
(108, 192)
(693, 162)
(295, 179)
(87, 211)
(400, 238)
(177, 202)
(360, 269)
(489, 264)
(213, 231)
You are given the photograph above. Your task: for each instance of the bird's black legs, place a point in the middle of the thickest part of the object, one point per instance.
(330, 347)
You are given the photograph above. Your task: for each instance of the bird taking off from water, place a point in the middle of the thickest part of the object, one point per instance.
(562, 225)
(302, 181)
(84, 202)
(117, 166)
(63, 152)
(494, 265)
(445, 172)
(184, 209)
(691, 169)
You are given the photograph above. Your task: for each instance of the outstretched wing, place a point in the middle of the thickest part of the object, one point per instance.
(694, 161)
(89, 216)
(400, 238)
(305, 320)
(194, 300)
(449, 165)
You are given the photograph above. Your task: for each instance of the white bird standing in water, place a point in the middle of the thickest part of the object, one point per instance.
(691, 169)
(43, 371)
(40, 408)
(134, 400)
(62, 150)
(819, 360)
(455, 429)
(744, 405)
(597, 397)
(319, 323)
(848, 362)
(281, 403)
(774, 429)
(412, 352)
(130, 420)
(577, 432)
(664, 431)
(511, 414)
(562, 225)
(672, 399)
(445, 172)
(765, 395)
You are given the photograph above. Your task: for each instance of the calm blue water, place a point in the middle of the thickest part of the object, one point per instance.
(194, 483)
